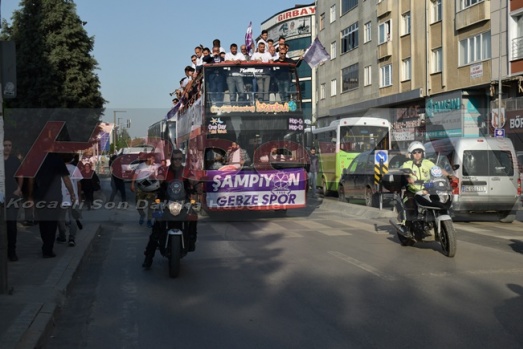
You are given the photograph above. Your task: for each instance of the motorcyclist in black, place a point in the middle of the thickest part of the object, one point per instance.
(175, 174)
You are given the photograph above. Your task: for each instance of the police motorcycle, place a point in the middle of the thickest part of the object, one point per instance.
(431, 221)
(174, 217)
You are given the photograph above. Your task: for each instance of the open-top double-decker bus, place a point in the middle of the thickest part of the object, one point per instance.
(241, 126)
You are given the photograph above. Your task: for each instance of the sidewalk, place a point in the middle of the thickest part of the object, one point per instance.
(38, 286)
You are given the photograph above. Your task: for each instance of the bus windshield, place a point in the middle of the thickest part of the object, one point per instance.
(362, 138)
(252, 132)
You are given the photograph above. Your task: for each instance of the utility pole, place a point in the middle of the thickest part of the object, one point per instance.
(3, 227)
(115, 133)
(8, 85)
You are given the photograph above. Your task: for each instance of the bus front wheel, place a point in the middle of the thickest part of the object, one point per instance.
(324, 189)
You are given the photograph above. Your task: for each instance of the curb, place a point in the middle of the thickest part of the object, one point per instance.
(61, 277)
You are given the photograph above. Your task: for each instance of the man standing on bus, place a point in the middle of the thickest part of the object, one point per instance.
(235, 80)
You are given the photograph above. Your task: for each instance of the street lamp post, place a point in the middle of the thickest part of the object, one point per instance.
(115, 134)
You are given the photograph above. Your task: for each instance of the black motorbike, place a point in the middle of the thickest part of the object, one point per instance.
(175, 224)
(430, 221)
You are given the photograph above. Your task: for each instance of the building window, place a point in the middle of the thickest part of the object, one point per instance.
(367, 32)
(406, 69)
(437, 59)
(367, 75)
(333, 13)
(347, 5)
(322, 91)
(349, 38)
(474, 49)
(384, 32)
(436, 11)
(467, 3)
(322, 21)
(386, 75)
(333, 88)
(405, 23)
(350, 77)
(334, 49)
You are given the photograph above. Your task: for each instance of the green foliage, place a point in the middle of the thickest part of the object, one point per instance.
(56, 73)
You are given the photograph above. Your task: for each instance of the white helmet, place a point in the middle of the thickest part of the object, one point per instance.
(416, 146)
(148, 185)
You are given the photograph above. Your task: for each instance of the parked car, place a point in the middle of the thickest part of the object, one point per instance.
(358, 180)
(488, 176)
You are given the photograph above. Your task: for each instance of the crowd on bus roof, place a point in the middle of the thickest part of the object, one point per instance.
(265, 50)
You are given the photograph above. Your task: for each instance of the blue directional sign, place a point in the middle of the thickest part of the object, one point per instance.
(381, 156)
(499, 132)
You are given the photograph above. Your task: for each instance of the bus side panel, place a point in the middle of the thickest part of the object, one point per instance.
(255, 190)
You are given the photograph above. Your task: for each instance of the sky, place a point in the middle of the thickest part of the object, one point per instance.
(142, 47)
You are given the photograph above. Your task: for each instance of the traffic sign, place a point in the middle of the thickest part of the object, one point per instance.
(381, 165)
(381, 157)
(499, 132)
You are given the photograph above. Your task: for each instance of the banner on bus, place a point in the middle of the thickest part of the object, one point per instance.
(256, 190)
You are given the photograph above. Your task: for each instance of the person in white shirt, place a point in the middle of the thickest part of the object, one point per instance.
(263, 81)
(188, 76)
(198, 51)
(194, 58)
(69, 213)
(264, 36)
(144, 199)
(235, 82)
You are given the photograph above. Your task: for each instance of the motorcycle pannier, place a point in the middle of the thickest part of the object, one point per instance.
(393, 181)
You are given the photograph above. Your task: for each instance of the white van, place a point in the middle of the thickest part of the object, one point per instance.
(487, 173)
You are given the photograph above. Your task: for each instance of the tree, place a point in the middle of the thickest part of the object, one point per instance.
(55, 72)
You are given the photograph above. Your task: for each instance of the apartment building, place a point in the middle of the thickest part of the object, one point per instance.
(426, 65)
(507, 70)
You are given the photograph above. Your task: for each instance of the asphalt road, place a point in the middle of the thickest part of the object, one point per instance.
(315, 280)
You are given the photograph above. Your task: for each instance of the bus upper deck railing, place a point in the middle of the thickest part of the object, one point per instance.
(253, 102)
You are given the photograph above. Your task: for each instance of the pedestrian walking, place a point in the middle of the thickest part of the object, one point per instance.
(13, 192)
(69, 213)
(45, 194)
(313, 170)
(90, 183)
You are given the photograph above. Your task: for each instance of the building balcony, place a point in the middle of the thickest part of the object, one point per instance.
(474, 14)
(385, 49)
(384, 7)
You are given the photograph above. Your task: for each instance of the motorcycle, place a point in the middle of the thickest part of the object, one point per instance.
(175, 219)
(431, 220)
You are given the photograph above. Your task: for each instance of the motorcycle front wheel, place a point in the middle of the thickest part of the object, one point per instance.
(175, 246)
(448, 238)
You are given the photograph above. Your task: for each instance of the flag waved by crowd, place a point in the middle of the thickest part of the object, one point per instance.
(316, 54)
(248, 39)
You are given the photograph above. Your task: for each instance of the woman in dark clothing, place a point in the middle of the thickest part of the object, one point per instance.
(90, 183)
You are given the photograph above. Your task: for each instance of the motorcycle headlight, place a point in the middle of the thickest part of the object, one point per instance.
(175, 208)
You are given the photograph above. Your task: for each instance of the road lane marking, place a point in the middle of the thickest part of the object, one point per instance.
(361, 265)
(490, 233)
(273, 228)
(334, 232)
